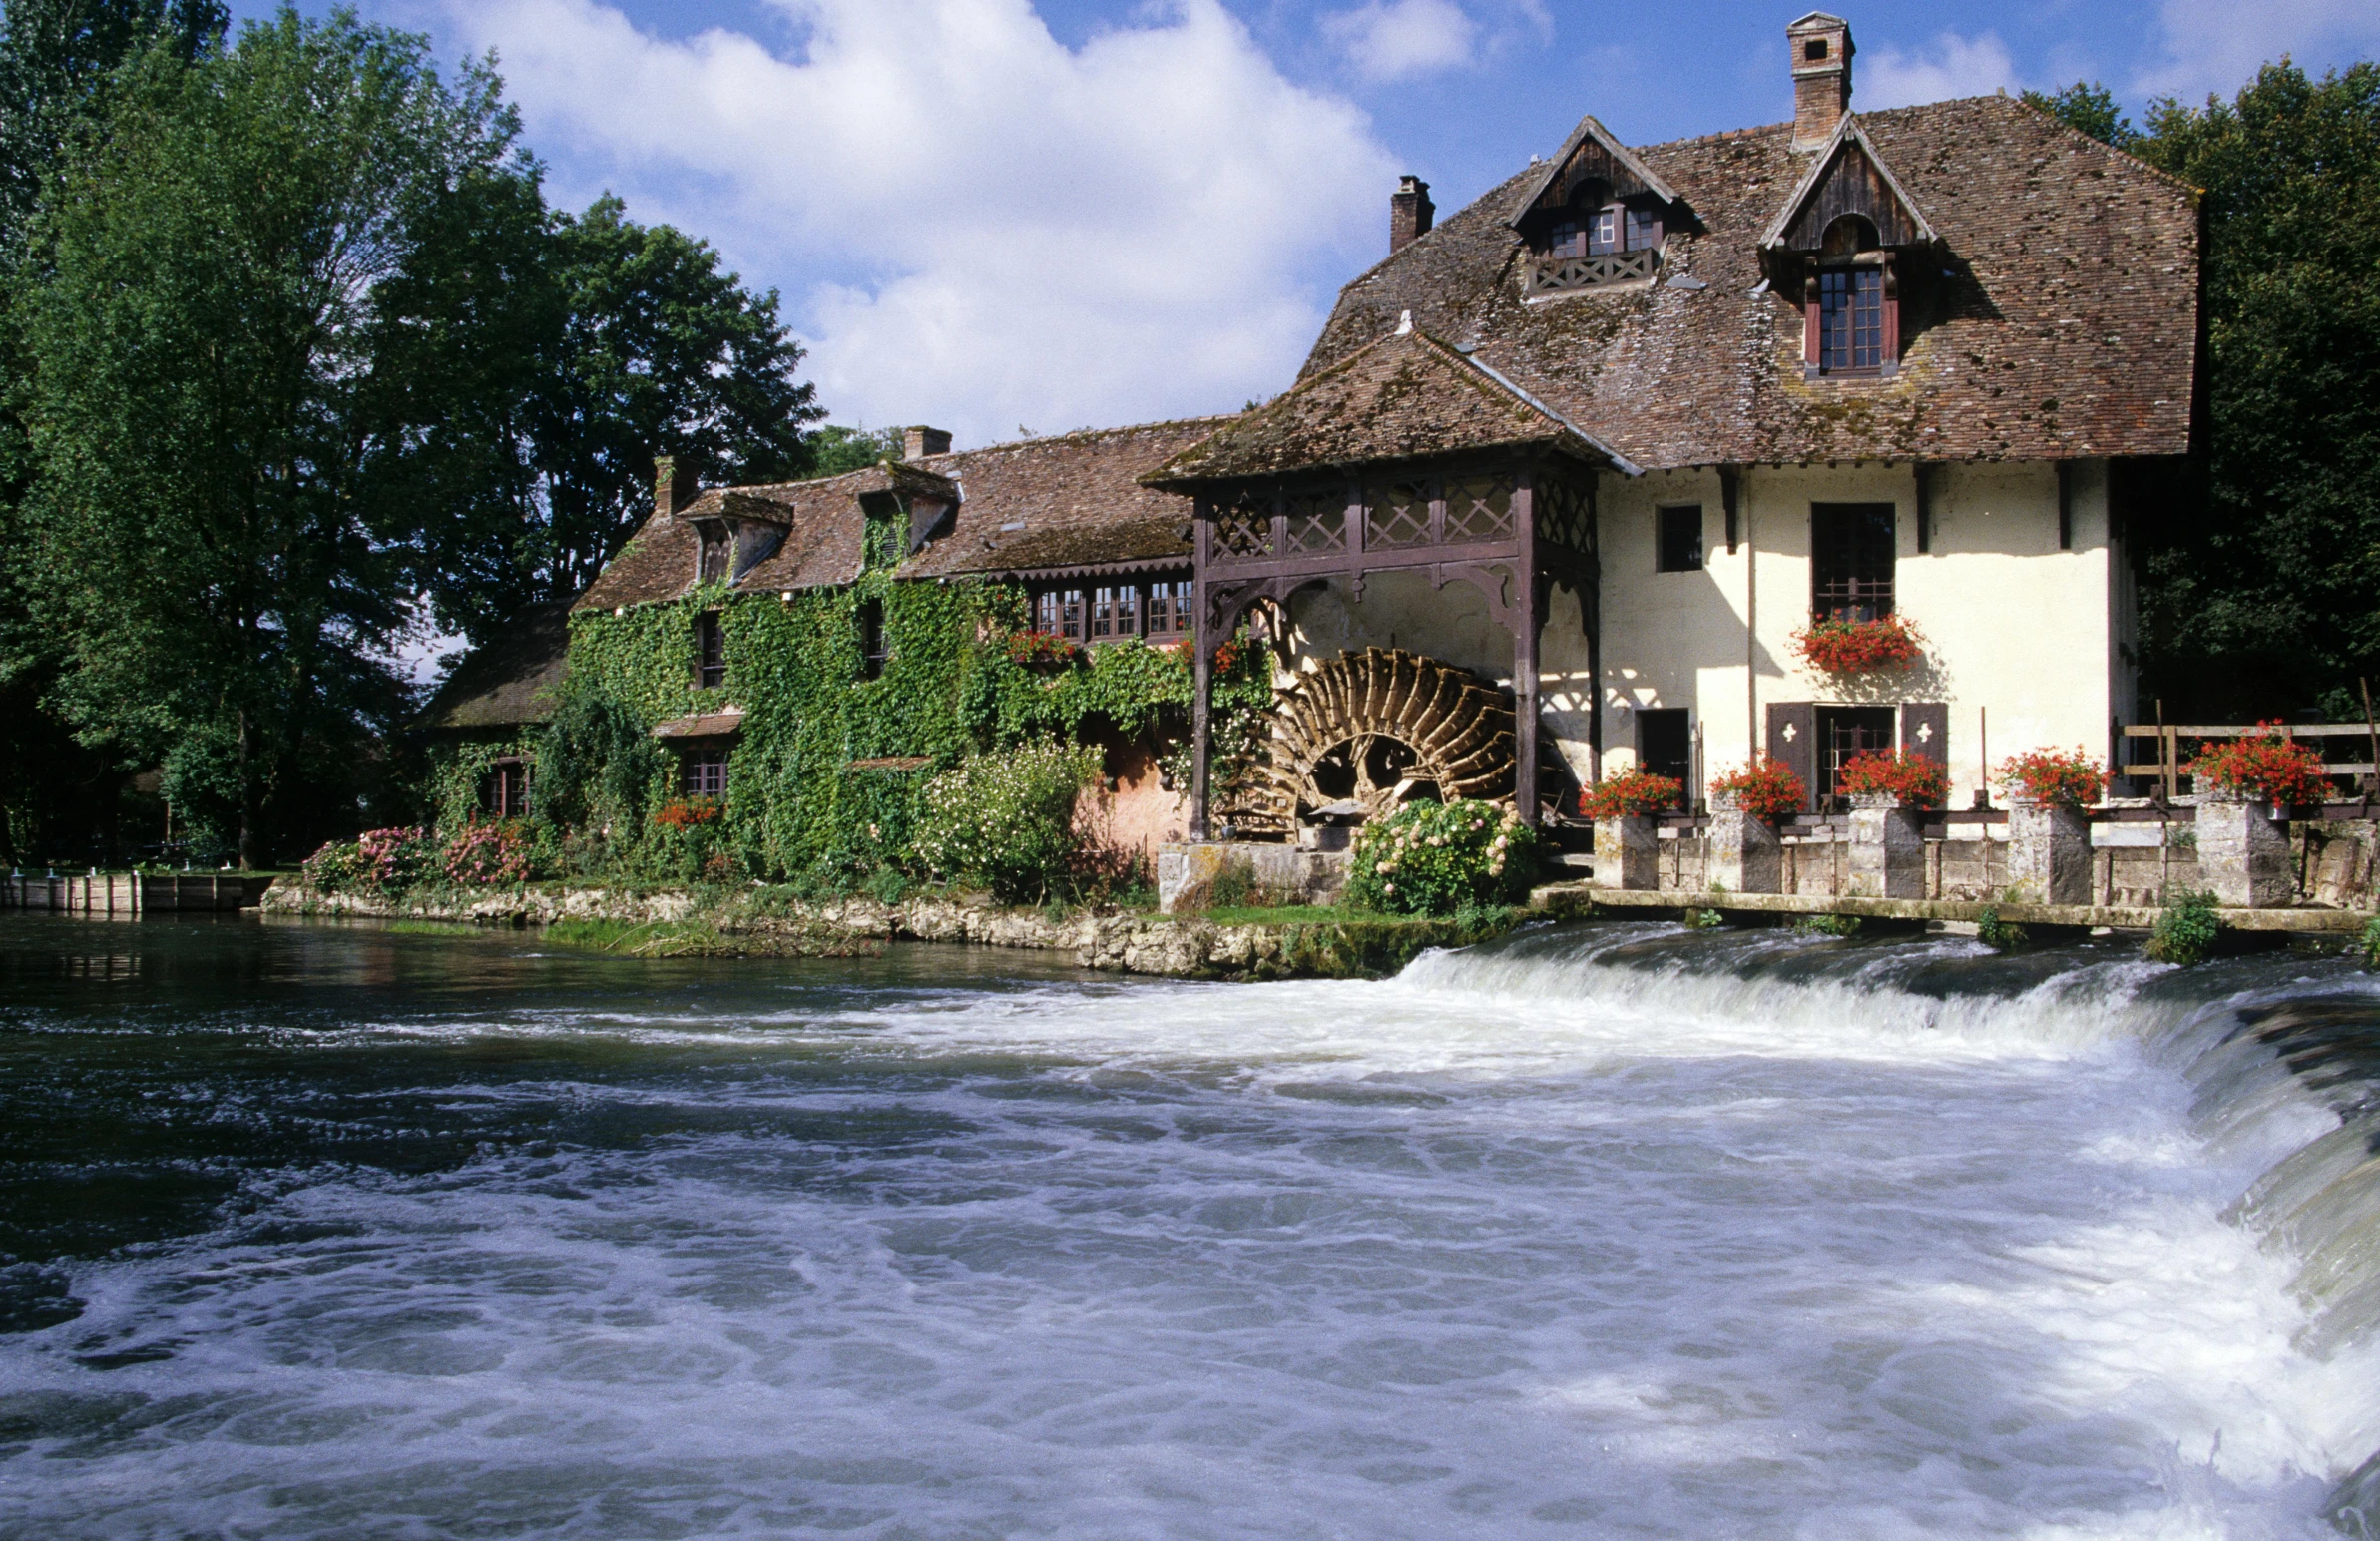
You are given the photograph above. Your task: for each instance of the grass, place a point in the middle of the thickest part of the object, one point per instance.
(1300, 914)
(645, 940)
(433, 929)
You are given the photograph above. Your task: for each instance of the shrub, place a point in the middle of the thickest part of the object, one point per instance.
(1827, 925)
(1764, 788)
(2054, 775)
(337, 866)
(1006, 820)
(1859, 647)
(1995, 933)
(378, 861)
(2270, 766)
(1918, 781)
(1433, 858)
(486, 854)
(1624, 796)
(2187, 930)
(2369, 943)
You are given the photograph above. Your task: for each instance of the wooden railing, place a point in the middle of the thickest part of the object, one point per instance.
(2167, 740)
(1561, 275)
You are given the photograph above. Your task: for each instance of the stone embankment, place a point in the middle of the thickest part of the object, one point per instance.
(1187, 947)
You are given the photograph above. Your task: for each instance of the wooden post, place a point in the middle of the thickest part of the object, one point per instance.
(2373, 728)
(1524, 662)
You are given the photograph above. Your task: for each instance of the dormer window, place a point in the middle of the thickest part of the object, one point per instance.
(1596, 216)
(1838, 247)
(1853, 303)
(717, 551)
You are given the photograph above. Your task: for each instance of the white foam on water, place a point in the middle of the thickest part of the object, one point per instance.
(1520, 1243)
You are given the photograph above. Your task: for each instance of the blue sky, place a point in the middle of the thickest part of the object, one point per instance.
(997, 215)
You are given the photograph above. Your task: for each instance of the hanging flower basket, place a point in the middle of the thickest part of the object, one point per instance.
(2054, 775)
(1859, 647)
(2269, 767)
(1764, 788)
(1633, 796)
(1917, 781)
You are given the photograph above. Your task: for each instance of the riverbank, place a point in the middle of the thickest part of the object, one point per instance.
(764, 920)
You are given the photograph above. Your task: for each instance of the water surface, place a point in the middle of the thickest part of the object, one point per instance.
(321, 1230)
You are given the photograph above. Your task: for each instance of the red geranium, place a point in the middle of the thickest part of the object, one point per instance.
(1041, 648)
(2055, 775)
(1764, 787)
(1918, 781)
(1626, 797)
(688, 813)
(2269, 767)
(1859, 647)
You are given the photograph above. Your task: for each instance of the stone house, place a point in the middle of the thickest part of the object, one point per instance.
(1565, 474)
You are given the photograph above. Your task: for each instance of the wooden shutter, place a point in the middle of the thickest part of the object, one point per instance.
(1793, 742)
(1925, 730)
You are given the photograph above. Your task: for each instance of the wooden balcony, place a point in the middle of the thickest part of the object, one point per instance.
(1566, 275)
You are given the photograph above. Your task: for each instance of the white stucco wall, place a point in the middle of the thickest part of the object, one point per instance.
(2028, 643)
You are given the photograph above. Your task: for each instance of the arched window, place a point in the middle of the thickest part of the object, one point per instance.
(1853, 310)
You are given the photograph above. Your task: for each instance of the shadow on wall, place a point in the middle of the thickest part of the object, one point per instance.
(1131, 811)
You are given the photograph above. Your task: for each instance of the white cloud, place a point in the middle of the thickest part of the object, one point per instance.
(1952, 66)
(2218, 45)
(1390, 40)
(977, 226)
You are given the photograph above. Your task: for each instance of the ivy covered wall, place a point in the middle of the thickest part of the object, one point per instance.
(949, 688)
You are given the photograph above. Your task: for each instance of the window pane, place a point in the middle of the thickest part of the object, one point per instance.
(1070, 614)
(1642, 230)
(1680, 539)
(1602, 231)
(1045, 611)
(1851, 319)
(1867, 317)
(1851, 560)
(1128, 611)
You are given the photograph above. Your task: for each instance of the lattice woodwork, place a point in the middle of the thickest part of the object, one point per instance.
(1565, 514)
(1378, 728)
(1317, 523)
(1397, 514)
(1243, 525)
(1479, 508)
(1562, 274)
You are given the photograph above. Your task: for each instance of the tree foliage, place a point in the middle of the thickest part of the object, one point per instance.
(2262, 590)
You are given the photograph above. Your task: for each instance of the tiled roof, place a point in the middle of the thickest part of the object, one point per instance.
(701, 725)
(2068, 327)
(1071, 500)
(1401, 396)
(510, 681)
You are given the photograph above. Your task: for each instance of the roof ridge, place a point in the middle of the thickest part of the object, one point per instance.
(1077, 434)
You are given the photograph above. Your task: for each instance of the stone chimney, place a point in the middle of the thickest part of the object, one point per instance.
(1822, 52)
(673, 488)
(1409, 212)
(921, 441)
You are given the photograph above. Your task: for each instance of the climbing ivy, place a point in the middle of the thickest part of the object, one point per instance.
(803, 799)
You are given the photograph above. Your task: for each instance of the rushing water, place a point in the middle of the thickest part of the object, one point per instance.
(1602, 1231)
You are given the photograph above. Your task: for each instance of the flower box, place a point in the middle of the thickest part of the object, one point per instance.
(1859, 647)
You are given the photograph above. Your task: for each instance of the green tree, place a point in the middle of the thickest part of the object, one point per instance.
(835, 449)
(57, 58)
(220, 437)
(2088, 108)
(661, 353)
(2264, 593)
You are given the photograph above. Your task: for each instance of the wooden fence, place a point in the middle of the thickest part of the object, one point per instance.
(129, 896)
(2166, 741)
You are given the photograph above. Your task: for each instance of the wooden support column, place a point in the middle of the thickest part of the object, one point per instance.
(1524, 654)
(1732, 501)
(1925, 474)
(2065, 505)
(1591, 606)
(1201, 664)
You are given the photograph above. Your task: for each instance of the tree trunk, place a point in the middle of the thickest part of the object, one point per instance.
(251, 797)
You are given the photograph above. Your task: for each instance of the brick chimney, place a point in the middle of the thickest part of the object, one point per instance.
(1822, 52)
(921, 441)
(1409, 212)
(673, 488)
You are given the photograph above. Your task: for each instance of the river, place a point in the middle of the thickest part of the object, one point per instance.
(1604, 1231)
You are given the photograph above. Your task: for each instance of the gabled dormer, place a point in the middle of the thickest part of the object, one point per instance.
(1596, 216)
(1844, 245)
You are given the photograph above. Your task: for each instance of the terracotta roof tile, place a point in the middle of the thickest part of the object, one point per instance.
(2069, 327)
(1400, 397)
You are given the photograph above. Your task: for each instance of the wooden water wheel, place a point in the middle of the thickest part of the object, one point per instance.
(1369, 731)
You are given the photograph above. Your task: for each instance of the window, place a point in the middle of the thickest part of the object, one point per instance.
(1679, 537)
(1850, 318)
(703, 773)
(1061, 612)
(1169, 609)
(1844, 731)
(711, 652)
(1851, 553)
(504, 790)
(1115, 613)
(717, 550)
(1664, 745)
(1603, 231)
(1643, 229)
(873, 649)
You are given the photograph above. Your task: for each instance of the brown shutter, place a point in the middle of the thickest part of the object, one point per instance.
(1797, 748)
(1925, 730)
